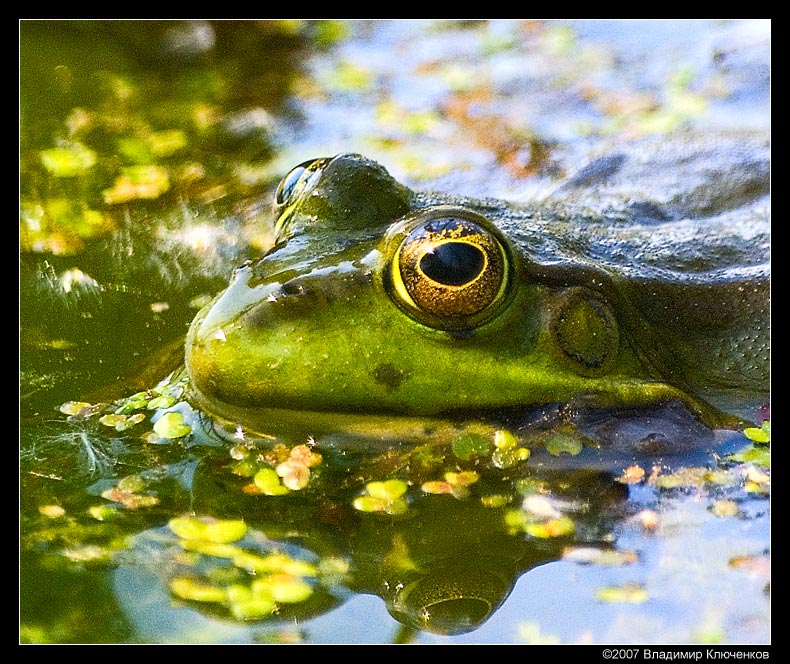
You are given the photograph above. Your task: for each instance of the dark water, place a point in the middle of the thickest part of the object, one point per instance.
(172, 137)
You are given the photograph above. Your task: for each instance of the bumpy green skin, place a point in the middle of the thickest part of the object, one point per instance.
(641, 278)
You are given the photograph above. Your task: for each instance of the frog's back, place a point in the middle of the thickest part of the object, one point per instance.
(676, 232)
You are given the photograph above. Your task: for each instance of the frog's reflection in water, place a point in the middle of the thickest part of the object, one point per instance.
(442, 564)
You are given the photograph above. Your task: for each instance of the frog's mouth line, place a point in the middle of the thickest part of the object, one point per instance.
(670, 421)
(387, 428)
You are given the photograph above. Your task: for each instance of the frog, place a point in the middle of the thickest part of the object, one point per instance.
(639, 280)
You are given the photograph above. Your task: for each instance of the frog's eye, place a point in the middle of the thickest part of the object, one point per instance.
(291, 188)
(451, 272)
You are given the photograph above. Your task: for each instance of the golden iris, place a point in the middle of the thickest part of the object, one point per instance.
(451, 271)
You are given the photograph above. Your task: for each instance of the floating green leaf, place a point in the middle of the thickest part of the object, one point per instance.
(250, 607)
(164, 143)
(171, 425)
(196, 590)
(562, 443)
(73, 407)
(627, 594)
(67, 162)
(591, 555)
(160, 402)
(132, 484)
(552, 528)
(759, 455)
(369, 504)
(273, 563)
(509, 457)
(471, 445)
(220, 531)
(387, 490)
(495, 500)
(284, 588)
(383, 496)
(268, 481)
(112, 420)
(141, 181)
(760, 434)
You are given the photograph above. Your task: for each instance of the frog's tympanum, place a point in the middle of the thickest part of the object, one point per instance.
(640, 280)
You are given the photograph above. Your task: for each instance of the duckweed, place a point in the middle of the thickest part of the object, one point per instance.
(387, 490)
(383, 496)
(283, 588)
(553, 528)
(759, 452)
(518, 521)
(162, 401)
(509, 457)
(761, 434)
(102, 512)
(453, 483)
(73, 407)
(626, 594)
(436, 487)
(171, 425)
(562, 443)
(495, 500)
(294, 475)
(504, 439)
(684, 477)
(216, 531)
(195, 590)
(759, 455)
(278, 579)
(51, 511)
(132, 403)
(268, 482)
(131, 484)
(291, 472)
(464, 478)
(590, 555)
(632, 475)
(471, 445)
(138, 182)
(244, 468)
(129, 499)
(273, 563)
(68, 162)
(725, 508)
(112, 420)
(255, 584)
(244, 605)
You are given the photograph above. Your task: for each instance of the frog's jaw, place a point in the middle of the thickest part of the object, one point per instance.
(393, 427)
(328, 358)
(387, 429)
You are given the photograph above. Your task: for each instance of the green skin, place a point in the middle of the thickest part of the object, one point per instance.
(317, 331)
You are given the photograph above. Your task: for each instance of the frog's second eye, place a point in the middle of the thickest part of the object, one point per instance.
(299, 179)
(451, 273)
(285, 189)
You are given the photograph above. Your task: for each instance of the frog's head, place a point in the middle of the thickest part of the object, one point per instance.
(378, 300)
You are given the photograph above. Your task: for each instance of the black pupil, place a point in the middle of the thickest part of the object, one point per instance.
(453, 263)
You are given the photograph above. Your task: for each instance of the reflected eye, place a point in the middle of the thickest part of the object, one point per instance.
(291, 188)
(451, 272)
